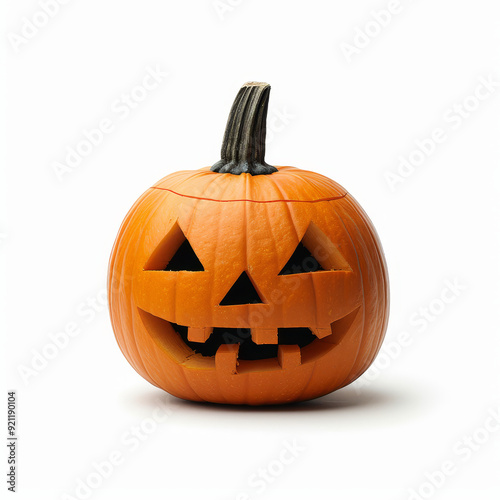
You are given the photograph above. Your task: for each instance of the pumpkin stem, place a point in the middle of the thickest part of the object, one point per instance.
(244, 144)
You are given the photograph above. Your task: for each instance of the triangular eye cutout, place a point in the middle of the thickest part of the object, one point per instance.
(174, 253)
(184, 259)
(301, 261)
(315, 252)
(242, 292)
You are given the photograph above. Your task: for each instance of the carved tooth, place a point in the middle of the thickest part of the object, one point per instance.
(226, 358)
(265, 335)
(289, 356)
(196, 334)
(321, 333)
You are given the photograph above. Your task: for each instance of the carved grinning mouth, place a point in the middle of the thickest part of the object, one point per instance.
(248, 348)
(245, 348)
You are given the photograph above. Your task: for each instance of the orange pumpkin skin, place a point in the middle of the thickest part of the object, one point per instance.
(253, 224)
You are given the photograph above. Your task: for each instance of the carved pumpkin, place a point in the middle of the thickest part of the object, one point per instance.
(246, 283)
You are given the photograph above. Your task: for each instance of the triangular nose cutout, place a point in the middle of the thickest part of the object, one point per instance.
(242, 292)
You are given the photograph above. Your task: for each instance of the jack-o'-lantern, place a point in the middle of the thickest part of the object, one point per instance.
(245, 283)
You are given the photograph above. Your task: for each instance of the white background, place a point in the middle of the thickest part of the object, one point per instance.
(349, 118)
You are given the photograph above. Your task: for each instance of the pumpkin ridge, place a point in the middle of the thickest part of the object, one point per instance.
(363, 330)
(373, 348)
(129, 343)
(385, 285)
(155, 206)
